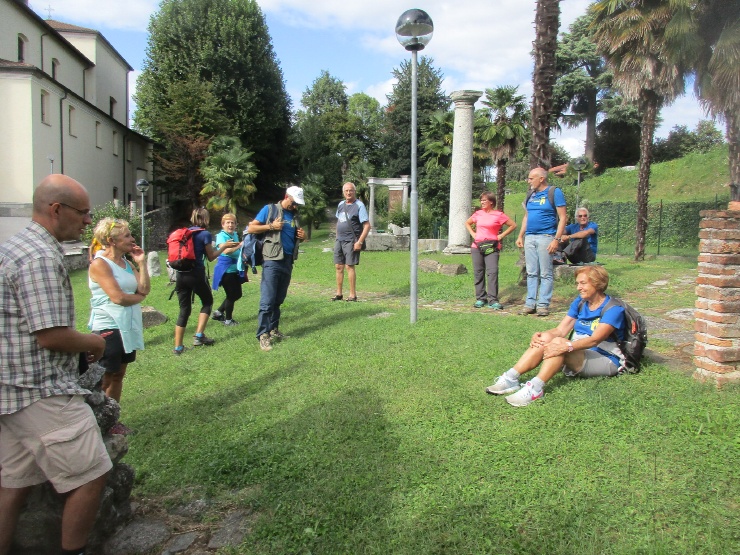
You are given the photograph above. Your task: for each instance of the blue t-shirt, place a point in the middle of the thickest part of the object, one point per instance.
(224, 237)
(593, 239)
(287, 233)
(200, 240)
(542, 218)
(587, 320)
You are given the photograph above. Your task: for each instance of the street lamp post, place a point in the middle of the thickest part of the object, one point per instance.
(579, 164)
(143, 186)
(414, 30)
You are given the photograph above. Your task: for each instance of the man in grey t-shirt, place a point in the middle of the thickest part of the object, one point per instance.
(353, 225)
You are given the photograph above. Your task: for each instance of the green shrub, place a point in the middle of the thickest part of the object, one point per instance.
(110, 210)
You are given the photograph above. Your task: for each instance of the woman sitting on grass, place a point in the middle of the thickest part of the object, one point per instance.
(591, 351)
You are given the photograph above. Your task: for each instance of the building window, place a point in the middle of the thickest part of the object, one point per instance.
(45, 107)
(72, 121)
(112, 107)
(115, 143)
(129, 153)
(98, 137)
(22, 40)
(54, 68)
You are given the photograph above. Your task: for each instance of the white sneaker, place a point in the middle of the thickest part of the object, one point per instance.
(524, 396)
(503, 386)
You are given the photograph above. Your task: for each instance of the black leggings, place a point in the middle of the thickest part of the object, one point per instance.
(232, 284)
(188, 283)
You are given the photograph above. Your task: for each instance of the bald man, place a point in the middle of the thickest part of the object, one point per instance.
(47, 431)
(542, 228)
(353, 225)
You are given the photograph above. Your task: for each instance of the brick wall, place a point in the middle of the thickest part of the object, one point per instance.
(717, 308)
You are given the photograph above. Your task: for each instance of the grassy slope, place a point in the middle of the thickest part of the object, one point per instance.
(696, 177)
(364, 434)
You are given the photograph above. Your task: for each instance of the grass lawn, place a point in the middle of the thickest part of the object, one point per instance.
(362, 433)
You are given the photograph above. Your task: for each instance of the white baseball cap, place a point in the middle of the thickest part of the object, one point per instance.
(296, 193)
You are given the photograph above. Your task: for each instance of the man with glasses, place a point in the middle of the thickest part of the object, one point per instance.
(47, 431)
(543, 226)
(580, 241)
(280, 250)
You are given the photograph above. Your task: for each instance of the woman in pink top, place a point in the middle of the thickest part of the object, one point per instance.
(485, 227)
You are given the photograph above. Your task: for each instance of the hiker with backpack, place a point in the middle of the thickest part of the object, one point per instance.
(598, 327)
(543, 226)
(279, 250)
(195, 280)
(226, 274)
(579, 243)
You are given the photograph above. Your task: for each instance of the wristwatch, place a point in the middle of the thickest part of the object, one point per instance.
(570, 347)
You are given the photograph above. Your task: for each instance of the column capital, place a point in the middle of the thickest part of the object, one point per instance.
(465, 98)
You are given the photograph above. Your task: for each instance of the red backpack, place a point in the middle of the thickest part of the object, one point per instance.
(180, 249)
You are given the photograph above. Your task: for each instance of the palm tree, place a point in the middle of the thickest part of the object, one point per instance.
(547, 23)
(507, 117)
(436, 143)
(704, 36)
(631, 35)
(228, 174)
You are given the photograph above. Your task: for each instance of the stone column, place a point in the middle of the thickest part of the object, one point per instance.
(371, 208)
(461, 178)
(717, 346)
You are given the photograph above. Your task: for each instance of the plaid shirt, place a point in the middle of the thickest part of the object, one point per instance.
(35, 294)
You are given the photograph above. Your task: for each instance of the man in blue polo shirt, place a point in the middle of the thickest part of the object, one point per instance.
(581, 239)
(542, 229)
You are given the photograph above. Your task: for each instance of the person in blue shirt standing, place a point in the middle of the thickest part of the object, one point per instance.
(542, 228)
(279, 251)
(591, 350)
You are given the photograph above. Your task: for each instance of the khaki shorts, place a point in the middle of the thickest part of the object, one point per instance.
(57, 439)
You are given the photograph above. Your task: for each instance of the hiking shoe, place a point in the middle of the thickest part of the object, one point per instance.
(277, 335)
(337, 297)
(265, 343)
(479, 304)
(178, 350)
(202, 339)
(527, 310)
(503, 386)
(218, 316)
(496, 306)
(230, 323)
(524, 396)
(543, 311)
(351, 299)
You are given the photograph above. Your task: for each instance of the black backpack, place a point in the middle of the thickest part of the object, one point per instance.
(635, 334)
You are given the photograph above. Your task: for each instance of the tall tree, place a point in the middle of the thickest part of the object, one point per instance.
(228, 174)
(506, 112)
(704, 36)
(547, 23)
(582, 80)
(322, 128)
(224, 43)
(631, 35)
(430, 98)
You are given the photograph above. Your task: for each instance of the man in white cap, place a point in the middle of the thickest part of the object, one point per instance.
(279, 223)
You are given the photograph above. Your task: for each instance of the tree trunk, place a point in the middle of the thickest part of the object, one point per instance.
(547, 23)
(733, 138)
(591, 125)
(650, 103)
(500, 183)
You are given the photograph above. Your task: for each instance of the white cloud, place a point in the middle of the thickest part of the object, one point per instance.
(132, 15)
(684, 111)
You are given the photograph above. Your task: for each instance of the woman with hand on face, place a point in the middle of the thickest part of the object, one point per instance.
(117, 288)
(487, 237)
(226, 274)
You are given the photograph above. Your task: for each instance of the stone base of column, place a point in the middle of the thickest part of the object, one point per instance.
(457, 249)
(703, 375)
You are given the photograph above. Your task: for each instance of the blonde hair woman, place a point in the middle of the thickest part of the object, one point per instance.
(117, 288)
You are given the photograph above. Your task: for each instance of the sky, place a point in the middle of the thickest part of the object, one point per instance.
(477, 44)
